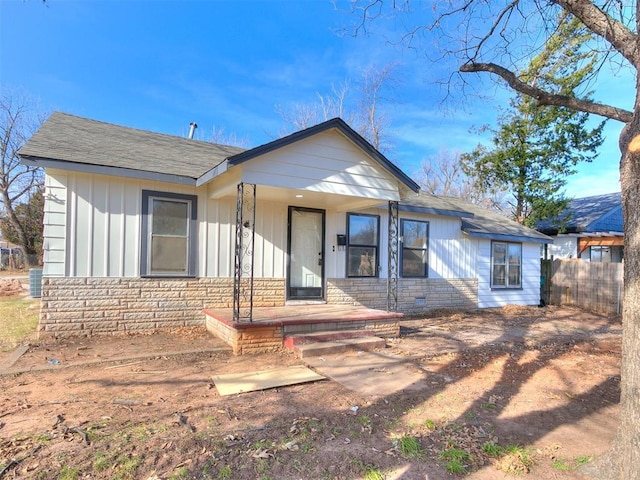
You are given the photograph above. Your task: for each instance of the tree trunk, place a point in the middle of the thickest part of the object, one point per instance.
(622, 462)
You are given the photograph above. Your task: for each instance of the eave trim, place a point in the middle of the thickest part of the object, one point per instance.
(508, 238)
(104, 170)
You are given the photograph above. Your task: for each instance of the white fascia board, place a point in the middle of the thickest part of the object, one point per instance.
(213, 173)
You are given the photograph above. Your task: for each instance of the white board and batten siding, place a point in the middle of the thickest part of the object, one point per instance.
(99, 218)
(529, 294)
(217, 246)
(55, 225)
(327, 163)
(451, 254)
(92, 228)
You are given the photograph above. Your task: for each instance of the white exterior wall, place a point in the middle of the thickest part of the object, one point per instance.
(564, 246)
(529, 294)
(92, 229)
(217, 239)
(92, 223)
(327, 163)
(451, 254)
(55, 225)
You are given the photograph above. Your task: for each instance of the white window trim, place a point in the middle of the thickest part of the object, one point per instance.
(506, 286)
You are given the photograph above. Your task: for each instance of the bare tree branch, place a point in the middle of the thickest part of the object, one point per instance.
(546, 98)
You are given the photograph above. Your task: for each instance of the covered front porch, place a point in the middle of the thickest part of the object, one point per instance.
(308, 210)
(270, 326)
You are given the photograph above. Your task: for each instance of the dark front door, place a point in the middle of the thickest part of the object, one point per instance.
(305, 268)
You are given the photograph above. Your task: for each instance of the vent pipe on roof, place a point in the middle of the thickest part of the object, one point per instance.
(192, 129)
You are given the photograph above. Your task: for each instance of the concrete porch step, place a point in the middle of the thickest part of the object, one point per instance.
(325, 343)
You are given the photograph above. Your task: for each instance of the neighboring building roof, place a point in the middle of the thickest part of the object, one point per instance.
(476, 221)
(89, 143)
(97, 147)
(598, 213)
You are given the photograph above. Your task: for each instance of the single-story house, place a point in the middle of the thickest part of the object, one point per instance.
(144, 230)
(593, 230)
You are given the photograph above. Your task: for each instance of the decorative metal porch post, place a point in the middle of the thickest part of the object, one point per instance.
(392, 264)
(245, 233)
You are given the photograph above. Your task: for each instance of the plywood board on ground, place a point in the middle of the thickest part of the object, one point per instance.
(370, 373)
(232, 383)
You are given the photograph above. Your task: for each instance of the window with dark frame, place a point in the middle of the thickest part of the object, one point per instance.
(506, 265)
(414, 256)
(362, 245)
(600, 254)
(168, 234)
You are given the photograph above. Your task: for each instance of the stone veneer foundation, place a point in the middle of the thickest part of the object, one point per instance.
(415, 295)
(90, 306)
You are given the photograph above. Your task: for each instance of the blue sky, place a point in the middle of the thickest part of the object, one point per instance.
(158, 65)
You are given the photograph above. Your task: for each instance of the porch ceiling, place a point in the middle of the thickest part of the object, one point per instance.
(311, 199)
(301, 197)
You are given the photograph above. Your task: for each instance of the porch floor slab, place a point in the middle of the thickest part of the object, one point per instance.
(271, 325)
(302, 314)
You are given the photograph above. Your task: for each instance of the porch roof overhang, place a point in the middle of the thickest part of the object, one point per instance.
(506, 231)
(600, 239)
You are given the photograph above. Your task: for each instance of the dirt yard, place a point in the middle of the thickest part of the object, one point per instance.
(509, 391)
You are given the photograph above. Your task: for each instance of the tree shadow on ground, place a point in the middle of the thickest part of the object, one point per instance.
(311, 431)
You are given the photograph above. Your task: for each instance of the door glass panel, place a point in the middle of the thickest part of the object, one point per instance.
(305, 262)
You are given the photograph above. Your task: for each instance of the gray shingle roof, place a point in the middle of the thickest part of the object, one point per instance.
(68, 138)
(476, 221)
(67, 141)
(598, 213)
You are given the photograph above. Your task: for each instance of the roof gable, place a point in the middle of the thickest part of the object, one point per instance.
(326, 162)
(339, 125)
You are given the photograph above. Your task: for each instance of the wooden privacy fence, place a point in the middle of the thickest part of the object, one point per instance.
(597, 287)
